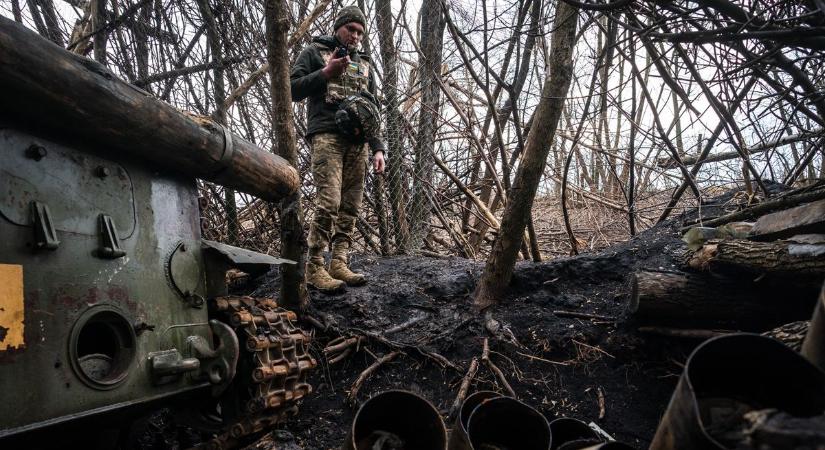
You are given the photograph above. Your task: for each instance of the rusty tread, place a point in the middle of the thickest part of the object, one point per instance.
(279, 351)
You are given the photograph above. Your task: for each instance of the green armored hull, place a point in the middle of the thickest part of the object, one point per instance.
(110, 301)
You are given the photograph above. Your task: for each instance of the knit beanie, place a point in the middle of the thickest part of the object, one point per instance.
(349, 14)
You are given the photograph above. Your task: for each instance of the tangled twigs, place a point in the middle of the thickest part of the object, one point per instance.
(579, 315)
(340, 348)
(379, 337)
(315, 322)
(465, 386)
(485, 358)
(500, 331)
(439, 359)
(353, 392)
(404, 325)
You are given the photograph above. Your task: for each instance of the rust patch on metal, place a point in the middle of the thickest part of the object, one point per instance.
(120, 295)
(11, 307)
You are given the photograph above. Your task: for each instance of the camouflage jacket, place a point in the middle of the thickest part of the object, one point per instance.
(307, 81)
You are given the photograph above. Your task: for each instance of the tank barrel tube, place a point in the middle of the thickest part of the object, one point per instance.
(57, 92)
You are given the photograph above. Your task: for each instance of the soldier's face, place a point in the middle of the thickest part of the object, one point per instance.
(350, 34)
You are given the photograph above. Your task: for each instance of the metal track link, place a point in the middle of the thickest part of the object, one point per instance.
(275, 364)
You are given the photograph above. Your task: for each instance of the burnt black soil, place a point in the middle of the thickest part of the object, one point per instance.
(558, 365)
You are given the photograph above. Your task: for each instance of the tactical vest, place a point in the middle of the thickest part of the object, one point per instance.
(354, 81)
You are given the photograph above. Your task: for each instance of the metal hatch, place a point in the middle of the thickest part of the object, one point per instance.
(78, 187)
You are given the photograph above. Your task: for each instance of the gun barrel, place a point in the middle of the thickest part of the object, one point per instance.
(59, 93)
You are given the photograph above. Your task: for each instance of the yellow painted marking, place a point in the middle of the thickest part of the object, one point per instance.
(11, 306)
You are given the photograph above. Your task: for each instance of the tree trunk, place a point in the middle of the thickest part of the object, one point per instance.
(51, 22)
(782, 258)
(702, 301)
(100, 35)
(214, 38)
(508, 109)
(803, 219)
(499, 268)
(787, 200)
(37, 18)
(142, 39)
(389, 58)
(534, 243)
(293, 240)
(429, 65)
(16, 12)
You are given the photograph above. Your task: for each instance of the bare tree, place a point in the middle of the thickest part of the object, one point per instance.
(293, 240)
(499, 268)
(429, 67)
(719, 85)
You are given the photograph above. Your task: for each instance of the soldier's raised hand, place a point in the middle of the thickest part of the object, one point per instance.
(378, 162)
(335, 67)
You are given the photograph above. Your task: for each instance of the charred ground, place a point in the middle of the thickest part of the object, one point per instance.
(598, 370)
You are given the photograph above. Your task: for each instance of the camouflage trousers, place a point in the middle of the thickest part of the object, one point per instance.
(338, 170)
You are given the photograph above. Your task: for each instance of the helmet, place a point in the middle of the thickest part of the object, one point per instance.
(357, 118)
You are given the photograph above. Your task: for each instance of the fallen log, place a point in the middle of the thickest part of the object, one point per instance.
(788, 200)
(782, 258)
(791, 334)
(803, 219)
(703, 301)
(53, 92)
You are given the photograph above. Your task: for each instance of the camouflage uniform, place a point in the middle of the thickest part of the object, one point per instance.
(338, 169)
(339, 164)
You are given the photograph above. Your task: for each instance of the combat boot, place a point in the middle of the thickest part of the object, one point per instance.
(338, 269)
(318, 277)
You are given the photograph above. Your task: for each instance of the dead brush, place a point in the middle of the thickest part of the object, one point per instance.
(587, 354)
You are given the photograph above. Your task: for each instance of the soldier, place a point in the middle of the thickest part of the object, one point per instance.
(342, 117)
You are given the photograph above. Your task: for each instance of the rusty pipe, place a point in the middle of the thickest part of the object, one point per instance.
(813, 347)
(459, 440)
(747, 369)
(508, 423)
(398, 418)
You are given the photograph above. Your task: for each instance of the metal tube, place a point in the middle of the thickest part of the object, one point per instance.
(813, 347)
(508, 423)
(397, 418)
(459, 440)
(610, 446)
(572, 434)
(746, 369)
(58, 93)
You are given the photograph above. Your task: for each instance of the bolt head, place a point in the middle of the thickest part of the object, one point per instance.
(36, 152)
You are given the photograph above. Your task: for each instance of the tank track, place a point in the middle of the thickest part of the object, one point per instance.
(272, 369)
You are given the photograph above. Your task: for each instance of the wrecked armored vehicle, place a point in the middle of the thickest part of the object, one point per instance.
(110, 300)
